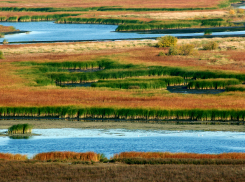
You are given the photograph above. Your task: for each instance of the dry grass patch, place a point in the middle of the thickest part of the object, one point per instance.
(171, 15)
(74, 47)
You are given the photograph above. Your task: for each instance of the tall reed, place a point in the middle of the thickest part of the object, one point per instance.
(7, 156)
(125, 113)
(87, 156)
(212, 83)
(167, 155)
(20, 129)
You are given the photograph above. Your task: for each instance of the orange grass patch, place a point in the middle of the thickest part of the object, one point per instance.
(118, 98)
(7, 156)
(87, 156)
(167, 155)
(125, 3)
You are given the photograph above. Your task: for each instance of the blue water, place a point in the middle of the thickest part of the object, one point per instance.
(50, 31)
(114, 141)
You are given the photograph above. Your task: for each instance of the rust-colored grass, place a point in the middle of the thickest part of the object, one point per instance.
(21, 171)
(7, 29)
(87, 156)
(7, 156)
(167, 155)
(125, 3)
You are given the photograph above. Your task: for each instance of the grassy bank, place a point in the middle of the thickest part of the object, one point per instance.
(124, 113)
(130, 125)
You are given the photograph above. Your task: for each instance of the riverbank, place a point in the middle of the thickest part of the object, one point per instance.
(130, 125)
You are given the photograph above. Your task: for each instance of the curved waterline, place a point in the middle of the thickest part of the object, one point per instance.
(52, 32)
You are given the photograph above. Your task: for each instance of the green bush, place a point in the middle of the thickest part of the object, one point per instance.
(167, 41)
(185, 49)
(1, 55)
(210, 45)
(161, 54)
(207, 32)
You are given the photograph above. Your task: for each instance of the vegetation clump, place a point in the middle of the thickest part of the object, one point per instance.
(87, 156)
(166, 41)
(232, 88)
(20, 129)
(185, 49)
(207, 32)
(1, 55)
(212, 45)
(5, 41)
(212, 83)
(12, 156)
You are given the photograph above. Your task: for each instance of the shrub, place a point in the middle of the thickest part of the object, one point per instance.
(167, 41)
(185, 49)
(5, 41)
(210, 45)
(161, 54)
(1, 55)
(241, 11)
(232, 12)
(207, 32)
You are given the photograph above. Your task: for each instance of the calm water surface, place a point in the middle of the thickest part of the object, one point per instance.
(114, 141)
(50, 31)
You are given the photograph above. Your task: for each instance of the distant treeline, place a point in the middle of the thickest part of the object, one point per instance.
(35, 17)
(125, 113)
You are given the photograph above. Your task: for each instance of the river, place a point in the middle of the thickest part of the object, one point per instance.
(50, 31)
(113, 141)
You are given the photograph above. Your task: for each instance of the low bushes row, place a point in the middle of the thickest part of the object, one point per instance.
(140, 161)
(212, 83)
(150, 71)
(232, 88)
(143, 83)
(168, 155)
(124, 113)
(87, 156)
(132, 84)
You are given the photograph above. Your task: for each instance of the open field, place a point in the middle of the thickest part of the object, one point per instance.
(10, 171)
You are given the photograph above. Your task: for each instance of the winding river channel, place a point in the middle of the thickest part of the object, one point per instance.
(50, 31)
(113, 141)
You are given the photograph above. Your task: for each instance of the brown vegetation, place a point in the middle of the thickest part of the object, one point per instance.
(7, 156)
(36, 171)
(88, 156)
(167, 155)
(7, 29)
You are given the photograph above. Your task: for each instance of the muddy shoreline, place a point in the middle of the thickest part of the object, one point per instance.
(131, 125)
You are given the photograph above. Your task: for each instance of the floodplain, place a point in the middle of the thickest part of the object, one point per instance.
(127, 87)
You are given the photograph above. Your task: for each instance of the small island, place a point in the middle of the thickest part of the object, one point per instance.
(20, 129)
